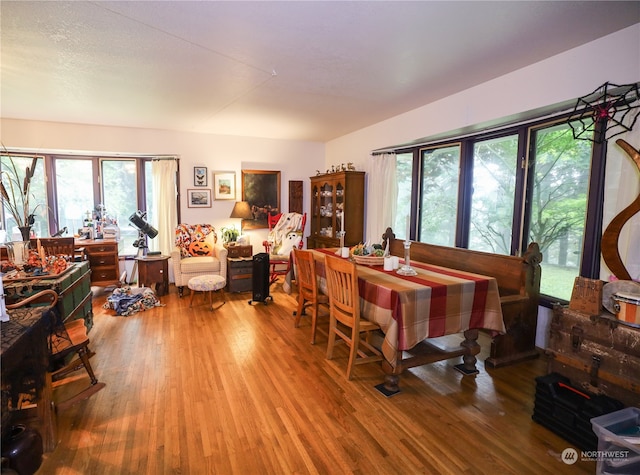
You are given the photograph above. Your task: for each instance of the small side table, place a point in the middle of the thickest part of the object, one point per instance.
(239, 274)
(154, 270)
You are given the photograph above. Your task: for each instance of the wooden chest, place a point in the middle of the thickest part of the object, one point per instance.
(598, 353)
(72, 286)
(239, 251)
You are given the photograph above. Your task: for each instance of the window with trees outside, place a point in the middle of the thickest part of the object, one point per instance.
(498, 192)
(77, 187)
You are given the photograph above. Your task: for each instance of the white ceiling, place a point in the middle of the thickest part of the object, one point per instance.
(291, 70)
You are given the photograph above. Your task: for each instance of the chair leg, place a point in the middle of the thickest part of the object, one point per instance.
(332, 338)
(82, 353)
(353, 351)
(298, 313)
(314, 322)
(180, 290)
(88, 392)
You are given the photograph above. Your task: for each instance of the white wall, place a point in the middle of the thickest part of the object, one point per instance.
(574, 73)
(295, 160)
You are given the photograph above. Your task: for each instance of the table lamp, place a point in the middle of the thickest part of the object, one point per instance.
(241, 210)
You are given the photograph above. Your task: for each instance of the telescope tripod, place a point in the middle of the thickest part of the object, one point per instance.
(141, 244)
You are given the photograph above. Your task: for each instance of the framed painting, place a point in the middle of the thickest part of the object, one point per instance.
(199, 176)
(199, 198)
(224, 185)
(261, 189)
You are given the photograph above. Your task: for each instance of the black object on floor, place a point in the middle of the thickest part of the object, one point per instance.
(567, 410)
(260, 278)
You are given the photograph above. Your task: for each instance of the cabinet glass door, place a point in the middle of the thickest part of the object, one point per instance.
(326, 210)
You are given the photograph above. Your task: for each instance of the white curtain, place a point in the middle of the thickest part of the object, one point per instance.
(382, 195)
(163, 204)
(622, 185)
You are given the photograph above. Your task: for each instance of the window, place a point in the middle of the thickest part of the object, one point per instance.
(498, 192)
(76, 187)
(13, 168)
(74, 180)
(559, 170)
(120, 192)
(404, 173)
(439, 203)
(493, 194)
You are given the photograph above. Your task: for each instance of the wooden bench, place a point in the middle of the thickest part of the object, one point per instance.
(518, 283)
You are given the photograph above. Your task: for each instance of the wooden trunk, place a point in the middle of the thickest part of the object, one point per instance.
(599, 353)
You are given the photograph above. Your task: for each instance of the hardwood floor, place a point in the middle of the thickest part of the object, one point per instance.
(241, 391)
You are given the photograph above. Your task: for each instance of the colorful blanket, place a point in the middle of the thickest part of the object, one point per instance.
(126, 301)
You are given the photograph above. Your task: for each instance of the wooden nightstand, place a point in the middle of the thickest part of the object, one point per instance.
(239, 274)
(154, 270)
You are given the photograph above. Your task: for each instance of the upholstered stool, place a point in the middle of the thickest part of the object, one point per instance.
(206, 283)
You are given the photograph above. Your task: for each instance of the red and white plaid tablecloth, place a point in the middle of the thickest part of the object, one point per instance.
(436, 302)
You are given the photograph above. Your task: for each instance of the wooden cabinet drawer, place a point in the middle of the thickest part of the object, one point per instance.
(103, 260)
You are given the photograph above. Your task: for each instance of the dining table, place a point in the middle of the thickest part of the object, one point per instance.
(412, 309)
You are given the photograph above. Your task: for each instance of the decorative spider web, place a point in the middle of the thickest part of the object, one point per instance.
(617, 107)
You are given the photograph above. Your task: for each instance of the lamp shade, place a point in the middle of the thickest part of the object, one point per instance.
(241, 210)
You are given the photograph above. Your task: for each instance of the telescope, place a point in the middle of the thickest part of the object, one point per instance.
(144, 228)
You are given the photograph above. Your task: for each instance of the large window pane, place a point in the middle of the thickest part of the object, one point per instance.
(74, 183)
(120, 198)
(439, 201)
(13, 169)
(404, 172)
(494, 181)
(561, 167)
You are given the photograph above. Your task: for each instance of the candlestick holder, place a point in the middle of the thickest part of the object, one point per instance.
(406, 269)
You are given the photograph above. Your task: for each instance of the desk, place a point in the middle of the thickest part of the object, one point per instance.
(24, 368)
(103, 258)
(410, 309)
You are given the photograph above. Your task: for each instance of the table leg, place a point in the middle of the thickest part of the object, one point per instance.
(471, 349)
(391, 377)
(47, 415)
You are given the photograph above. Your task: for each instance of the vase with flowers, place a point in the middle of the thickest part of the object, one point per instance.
(15, 194)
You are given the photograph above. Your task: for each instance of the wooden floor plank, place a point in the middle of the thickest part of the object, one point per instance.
(240, 390)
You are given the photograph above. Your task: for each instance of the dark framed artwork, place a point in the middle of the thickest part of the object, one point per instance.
(261, 189)
(199, 176)
(199, 198)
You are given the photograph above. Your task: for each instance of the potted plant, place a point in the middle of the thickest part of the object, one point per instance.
(230, 235)
(15, 195)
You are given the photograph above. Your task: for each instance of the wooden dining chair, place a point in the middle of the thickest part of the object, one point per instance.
(65, 339)
(308, 295)
(344, 309)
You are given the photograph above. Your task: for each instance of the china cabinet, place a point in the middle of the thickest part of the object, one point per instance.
(337, 204)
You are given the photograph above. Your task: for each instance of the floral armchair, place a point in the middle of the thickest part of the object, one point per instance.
(196, 253)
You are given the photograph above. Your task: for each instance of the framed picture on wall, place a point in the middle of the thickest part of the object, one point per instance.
(199, 176)
(261, 189)
(224, 185)
(199, 198)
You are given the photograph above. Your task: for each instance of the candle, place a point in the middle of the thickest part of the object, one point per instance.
(342, 221)
(406, 239)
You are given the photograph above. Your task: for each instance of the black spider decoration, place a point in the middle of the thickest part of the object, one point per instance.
(614, 106)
